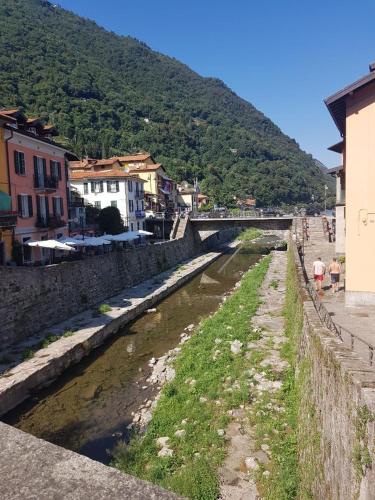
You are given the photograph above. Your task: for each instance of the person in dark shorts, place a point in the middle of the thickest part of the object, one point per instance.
(334, 270)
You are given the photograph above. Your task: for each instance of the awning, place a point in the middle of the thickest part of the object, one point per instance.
(51, 244)
(141, 232)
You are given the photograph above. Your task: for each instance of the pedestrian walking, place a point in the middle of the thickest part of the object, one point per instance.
(319, 270)
(334, 270)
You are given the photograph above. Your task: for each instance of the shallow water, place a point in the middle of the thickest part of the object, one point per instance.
(88, 408)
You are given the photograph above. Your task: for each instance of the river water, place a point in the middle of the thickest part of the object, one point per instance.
(88, 408)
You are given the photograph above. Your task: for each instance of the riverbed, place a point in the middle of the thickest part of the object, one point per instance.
(90, 406)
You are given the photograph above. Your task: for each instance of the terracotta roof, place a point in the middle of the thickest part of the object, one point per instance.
(104, 174)
(110, 161)
(145, 168)
(335, 170)
(9, 119)
(136, 157)
(9, 112)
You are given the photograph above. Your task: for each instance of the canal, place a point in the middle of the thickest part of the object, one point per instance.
(89, 407)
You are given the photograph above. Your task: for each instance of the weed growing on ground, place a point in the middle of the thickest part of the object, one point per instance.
(205, 387)
(4, 359)
(249, 234)
(68, 333)
(28, 354)
(48, 339)
(274, 284)
(104, 308)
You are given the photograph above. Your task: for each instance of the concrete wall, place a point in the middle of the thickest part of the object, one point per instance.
(336, 416)
(33, 299)
(281, 223)
(360, 196)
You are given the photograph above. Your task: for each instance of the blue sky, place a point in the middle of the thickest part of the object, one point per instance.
(284, 56)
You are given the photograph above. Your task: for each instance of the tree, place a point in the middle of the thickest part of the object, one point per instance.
(110, 221)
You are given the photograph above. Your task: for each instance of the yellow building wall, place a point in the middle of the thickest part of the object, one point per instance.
(5, 235)
(360, 197)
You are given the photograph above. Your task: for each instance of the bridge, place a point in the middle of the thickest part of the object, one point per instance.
(212, 223)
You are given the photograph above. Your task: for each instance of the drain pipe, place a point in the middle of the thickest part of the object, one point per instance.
(8, 170)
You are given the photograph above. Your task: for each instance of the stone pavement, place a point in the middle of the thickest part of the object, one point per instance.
(358, 320)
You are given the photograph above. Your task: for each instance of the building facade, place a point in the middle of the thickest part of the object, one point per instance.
(37, 184)
(160, 190)
(112, 187)
(353, 110)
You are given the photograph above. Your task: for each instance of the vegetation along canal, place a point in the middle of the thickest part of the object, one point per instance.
(89, 407)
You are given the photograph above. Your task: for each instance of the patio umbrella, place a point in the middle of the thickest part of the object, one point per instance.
(51, 244)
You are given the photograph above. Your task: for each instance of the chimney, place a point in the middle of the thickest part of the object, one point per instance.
(372, 67)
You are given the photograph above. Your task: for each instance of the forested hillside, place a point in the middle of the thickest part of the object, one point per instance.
(109, 95)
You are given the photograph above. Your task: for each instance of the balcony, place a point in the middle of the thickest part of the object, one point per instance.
(139, 195)
(48, 221)
(8, 219)
(45, 183)
(139, 214)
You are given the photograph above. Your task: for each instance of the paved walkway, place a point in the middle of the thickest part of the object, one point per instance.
(358, 320)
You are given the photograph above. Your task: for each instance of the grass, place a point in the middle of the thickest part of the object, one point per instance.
(249, 234)
(48, 339)
(222, 379)
(275, 415)
(68, 333)
(104, 308)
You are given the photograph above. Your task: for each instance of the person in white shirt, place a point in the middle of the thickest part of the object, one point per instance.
(319, 270)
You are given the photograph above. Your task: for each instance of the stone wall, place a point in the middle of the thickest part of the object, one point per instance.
(337, 413)
(32, 299)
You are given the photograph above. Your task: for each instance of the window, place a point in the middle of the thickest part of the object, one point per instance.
(114, 203)
(26, 249)
(144, 225)
(42, 208)
(85, 188)
(138, 226)
(98, 205)
(55, 169)
(131, 206)
(113, 186)
(58, 207)
(19, 163)
(131, 226)
(130, 184)
(97, 187)
(25, 206)
(40, 171)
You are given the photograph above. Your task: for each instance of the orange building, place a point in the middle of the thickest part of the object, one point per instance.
(37, 182)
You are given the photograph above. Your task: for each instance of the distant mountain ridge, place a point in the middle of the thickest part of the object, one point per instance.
(109, 95)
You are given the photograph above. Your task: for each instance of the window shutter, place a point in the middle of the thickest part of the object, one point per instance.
(47, 206)
(16, 164)
(44, 167)
(59, 170)
(35, 168)
(51, 168)
(38, 205)
(85, 188)
(22, 163)
(54, 206)
(93, 187)
(30, 203)
(108, 186)
(19, 203)
(101, 186)
(61, 206)
(117, 186)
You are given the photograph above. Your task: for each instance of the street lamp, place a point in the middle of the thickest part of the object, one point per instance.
(325, 199)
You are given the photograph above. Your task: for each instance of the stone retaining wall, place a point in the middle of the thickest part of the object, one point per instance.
(337, 413)
(32, 299)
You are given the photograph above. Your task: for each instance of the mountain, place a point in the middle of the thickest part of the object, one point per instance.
(109, 94)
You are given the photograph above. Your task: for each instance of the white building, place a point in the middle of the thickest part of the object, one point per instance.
(112, 187)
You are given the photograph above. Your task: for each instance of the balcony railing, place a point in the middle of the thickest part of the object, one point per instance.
(8, 219)
(45, 182)
(139, 214)
(50, 221)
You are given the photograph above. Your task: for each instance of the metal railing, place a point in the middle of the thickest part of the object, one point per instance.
(326, 318)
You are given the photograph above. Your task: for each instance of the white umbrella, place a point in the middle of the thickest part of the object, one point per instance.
(51, 244)
(71, 241)
(141, 232)
(128, 236)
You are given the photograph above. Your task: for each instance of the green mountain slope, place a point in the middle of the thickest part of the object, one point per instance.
(109, 94)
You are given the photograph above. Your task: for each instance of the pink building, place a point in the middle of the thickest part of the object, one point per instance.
(38, 183)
